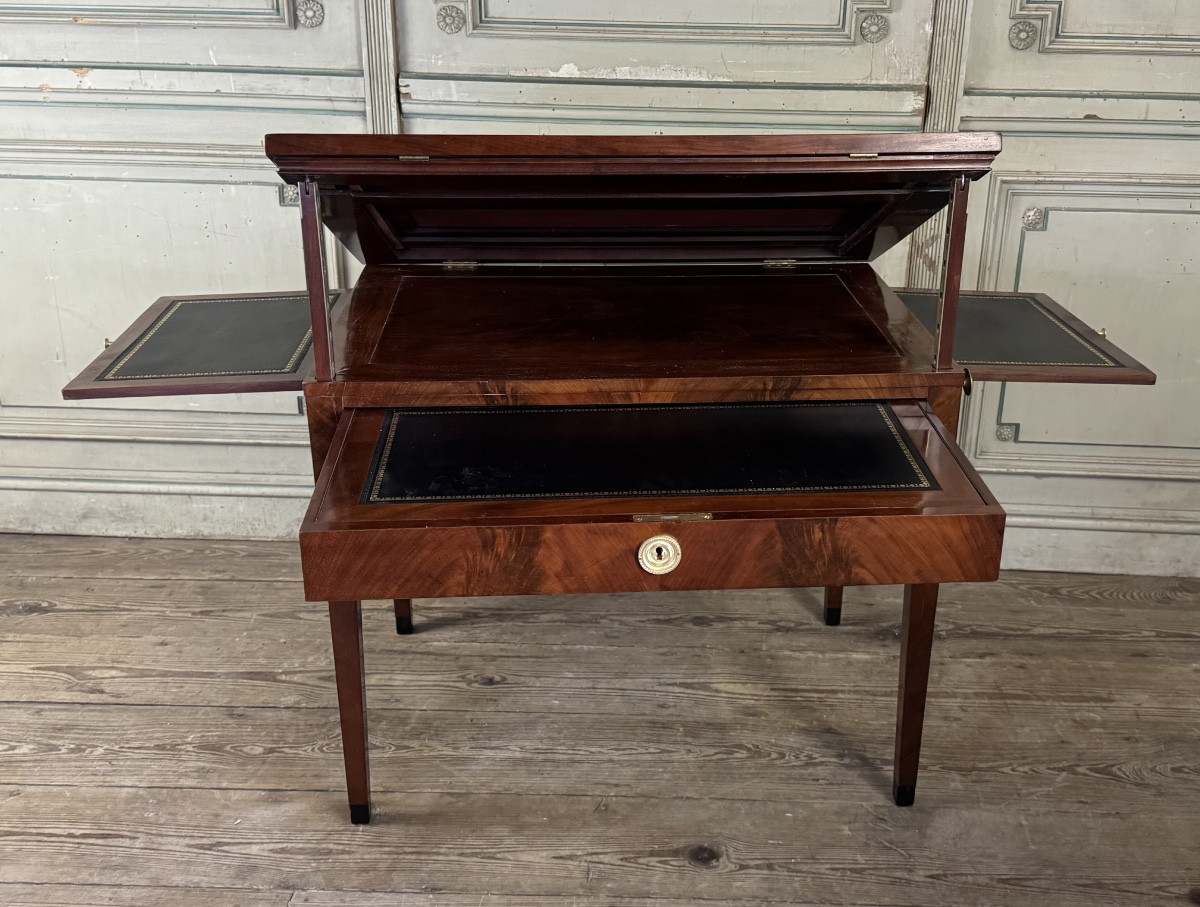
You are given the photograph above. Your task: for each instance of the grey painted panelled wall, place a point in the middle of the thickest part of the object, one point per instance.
(130, 150)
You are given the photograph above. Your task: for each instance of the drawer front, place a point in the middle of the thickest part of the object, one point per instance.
(604, 557)
(376, 532)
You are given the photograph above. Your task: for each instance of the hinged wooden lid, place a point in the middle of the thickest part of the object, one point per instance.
(613, 199)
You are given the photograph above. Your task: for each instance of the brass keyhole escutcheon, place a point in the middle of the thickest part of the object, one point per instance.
(660, 554)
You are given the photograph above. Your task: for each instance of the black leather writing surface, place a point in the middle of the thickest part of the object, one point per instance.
(427, 455)
(203, 338)
(1008, 330)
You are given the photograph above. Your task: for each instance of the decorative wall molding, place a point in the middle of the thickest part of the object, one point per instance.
(1011, 195)
(992, 434)
(451, 18)
(1138, 540)
(309, 13)
(845, 25)
(381, 66)
(1023, 34)
(125, 485)
(874, 28)
(340, 95)
(995, 448)
(169, 162)
(111, 423)
(947, 72)
(1055, 37)
(157, 13)
(1034, 218)
(1048, 112)
(462, 103)
(1034, 542)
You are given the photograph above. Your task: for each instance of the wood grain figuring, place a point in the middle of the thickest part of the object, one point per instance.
(573, 335)
(345, 622)
(916, 647)
(332, 148)
(324, 410)
(956, 235)
(631, 199)
(316, 279)
(555, 546)
(592, 756)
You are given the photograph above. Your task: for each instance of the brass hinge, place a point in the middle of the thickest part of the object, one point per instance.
(410, 158)
(671, 517)
(779, 263)
(460, 266)
(864, 154)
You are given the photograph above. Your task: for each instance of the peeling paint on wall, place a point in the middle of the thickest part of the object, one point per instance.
(638, 73)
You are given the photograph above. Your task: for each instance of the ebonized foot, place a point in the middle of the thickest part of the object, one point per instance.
(404, 620)
(360, 813)
(904, 795)
(833, 606)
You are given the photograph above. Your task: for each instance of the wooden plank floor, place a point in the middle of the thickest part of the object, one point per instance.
(168, 735)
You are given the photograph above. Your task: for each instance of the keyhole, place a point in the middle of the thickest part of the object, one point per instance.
(659, 554)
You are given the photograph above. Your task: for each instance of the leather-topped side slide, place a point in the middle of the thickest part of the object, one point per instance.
(1028, 337)
(205, 345)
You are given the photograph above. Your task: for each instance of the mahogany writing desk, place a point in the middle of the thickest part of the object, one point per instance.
(617, 364)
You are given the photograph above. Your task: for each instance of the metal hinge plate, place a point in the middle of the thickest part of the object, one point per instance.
(779, 263)
(460, 266)
(671, 517)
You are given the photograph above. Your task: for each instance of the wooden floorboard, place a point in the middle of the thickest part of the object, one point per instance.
(168, 735)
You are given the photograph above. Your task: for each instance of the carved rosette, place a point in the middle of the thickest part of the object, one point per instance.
(874, 28)
(289, 195)
(310, 13)
(1006, 431)
(1023, 34)
(451, 19)
(1034, 219)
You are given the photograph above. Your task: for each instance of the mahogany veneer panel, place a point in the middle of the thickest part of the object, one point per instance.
(629, 198)
(632, 334)
(354, 550)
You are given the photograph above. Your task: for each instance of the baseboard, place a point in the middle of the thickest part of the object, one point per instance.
(1101, 551)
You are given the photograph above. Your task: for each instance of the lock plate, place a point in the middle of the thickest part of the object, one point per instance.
(659, 554)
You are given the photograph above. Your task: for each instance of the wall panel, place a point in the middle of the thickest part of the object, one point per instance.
(131, 167)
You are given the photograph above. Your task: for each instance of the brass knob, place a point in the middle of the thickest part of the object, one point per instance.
(659, 554)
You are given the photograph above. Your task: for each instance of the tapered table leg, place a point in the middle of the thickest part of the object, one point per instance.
(404, 623)
(345, 624)
(833, 605)
(916, 643)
